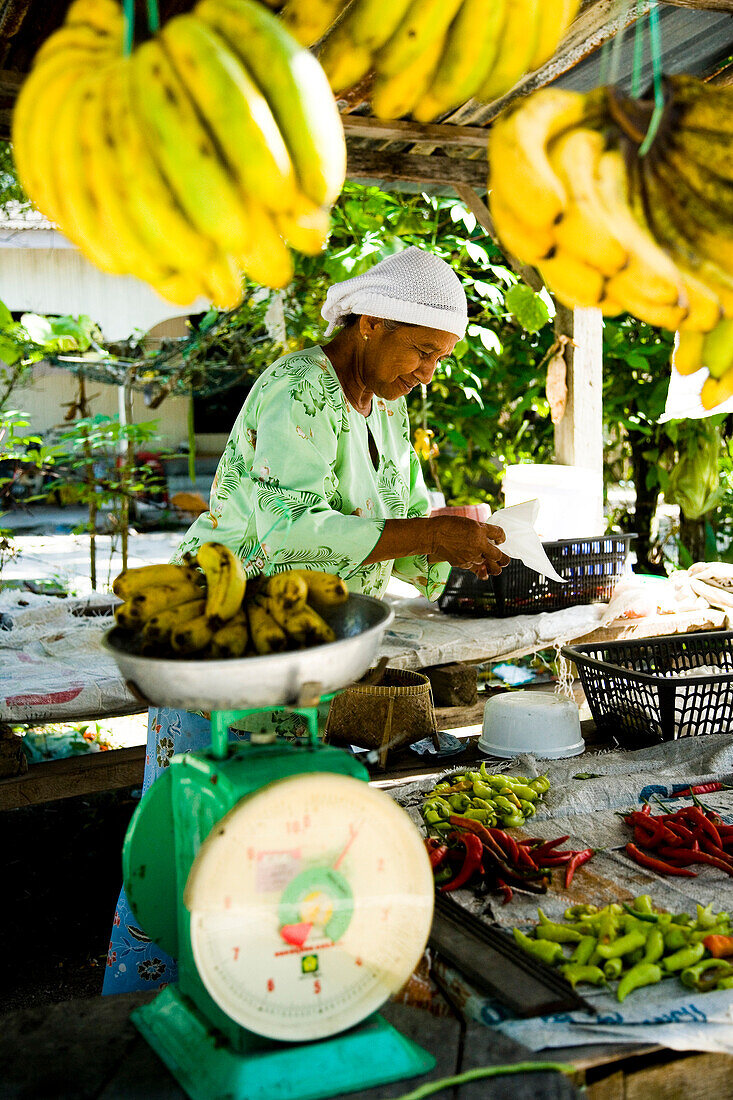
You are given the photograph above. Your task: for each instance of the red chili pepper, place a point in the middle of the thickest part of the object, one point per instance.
(701, 788)
(654, 864)
(506, 890)
(547, 847)
(720, 947)
(508, 843)
(524, 858)
(532, 841)
(685, 856)
(471, 863)
(557, 859)
(646, 809)
(579, 858)
(437, 851)
(682, 833)
(480, 831)
(694, 813)
(659, 831)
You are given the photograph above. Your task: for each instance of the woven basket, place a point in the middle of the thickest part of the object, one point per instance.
(397, 711)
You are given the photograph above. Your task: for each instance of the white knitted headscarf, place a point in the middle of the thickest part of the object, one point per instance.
(412, 286)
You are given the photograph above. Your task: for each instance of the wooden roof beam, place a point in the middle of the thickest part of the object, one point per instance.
(366, 164)
(399, 130)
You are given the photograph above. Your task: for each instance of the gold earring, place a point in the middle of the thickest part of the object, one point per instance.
(365, 336)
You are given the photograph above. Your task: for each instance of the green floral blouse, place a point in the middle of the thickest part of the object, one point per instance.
(296, 486)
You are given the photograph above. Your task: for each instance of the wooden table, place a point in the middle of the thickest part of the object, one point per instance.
(89, 1050)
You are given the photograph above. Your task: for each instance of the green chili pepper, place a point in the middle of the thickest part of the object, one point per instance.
(584, 949)
(721, 929)
(442, 827)
(643, 904)
(545, 950)
(676, 938)
(635, 957)
(432, 817)
(512, 821)
(492, 780)
(528, 808)
(624, 945)
(508, 794)
(483, 790)
(681, 918)
(613, 968)
(654, 945)
(541, 784)
(691, 976)
(483, 803)
(445, 874)
(725, 983)
(440, 787)
(441, 806)
(460, 802)
(558, 933)
(706, 918)
(476, 815)
(575, 911)
(686, 956)
(608, 926)
(574, 973)
(639, 975)
(521, 790)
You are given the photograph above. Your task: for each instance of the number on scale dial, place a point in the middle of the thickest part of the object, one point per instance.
(311, 902)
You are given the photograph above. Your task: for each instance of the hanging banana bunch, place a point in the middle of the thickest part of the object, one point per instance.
(650, 235)
(199, 156)
(430, 56)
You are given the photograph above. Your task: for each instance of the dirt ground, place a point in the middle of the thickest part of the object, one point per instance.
(60, 874)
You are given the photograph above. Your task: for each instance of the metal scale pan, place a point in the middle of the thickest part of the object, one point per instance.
(274, 680)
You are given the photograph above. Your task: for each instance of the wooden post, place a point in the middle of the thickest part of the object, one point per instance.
(579, 435)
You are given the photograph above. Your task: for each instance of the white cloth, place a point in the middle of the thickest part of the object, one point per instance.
(412, 286)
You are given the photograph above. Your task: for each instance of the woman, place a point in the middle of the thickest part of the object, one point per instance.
(318, 472)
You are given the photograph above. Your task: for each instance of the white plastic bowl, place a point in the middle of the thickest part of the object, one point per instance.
(545, 725)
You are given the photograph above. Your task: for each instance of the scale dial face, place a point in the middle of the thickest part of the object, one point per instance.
(311, 902)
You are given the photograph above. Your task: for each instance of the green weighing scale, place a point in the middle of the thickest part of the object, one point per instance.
(296, 899)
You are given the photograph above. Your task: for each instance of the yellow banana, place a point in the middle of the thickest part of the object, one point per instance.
(325, 590)
(152, 203)
(143, 605)
(394, 96)
(347, 53)
(307, 229)
(717, 349)
(704, 308)
(295, 87)
(701, 106)
(304, 625)
(469, 52)
(690, 215)
(234, 109)
(555, 16)
(584, 230)
(221, 282)
(265, 257)
(517, 47)
(104, 15)
(34, 124)
(231, 640)
(225, 580)
(650, 273)
(132, 581)
(521, 173)
(289, 590)
(572, 281)
(687, 354)
(194, 635)
(424, 23)
(182, 289)
(159, 628)
(80, 215)
(109, 192)
(528, 243)
(266, 635)
(188, 156)
(308, 20)
(717, 390)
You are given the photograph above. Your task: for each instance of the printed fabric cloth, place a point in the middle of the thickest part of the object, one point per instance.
(296, 486)
(134, 962)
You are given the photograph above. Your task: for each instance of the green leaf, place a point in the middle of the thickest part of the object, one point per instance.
(6, 317)
(527, 307)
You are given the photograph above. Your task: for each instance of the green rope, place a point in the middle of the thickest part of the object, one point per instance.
(486, 1071)
(655, 46)
(129, 13)
(153, 16)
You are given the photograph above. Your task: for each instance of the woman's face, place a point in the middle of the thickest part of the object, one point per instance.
(397, 360)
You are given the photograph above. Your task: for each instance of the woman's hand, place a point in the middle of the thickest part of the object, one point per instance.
(468, 544)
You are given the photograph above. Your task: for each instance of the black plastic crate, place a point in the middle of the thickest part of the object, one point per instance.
(638, 697)
(591, 567)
